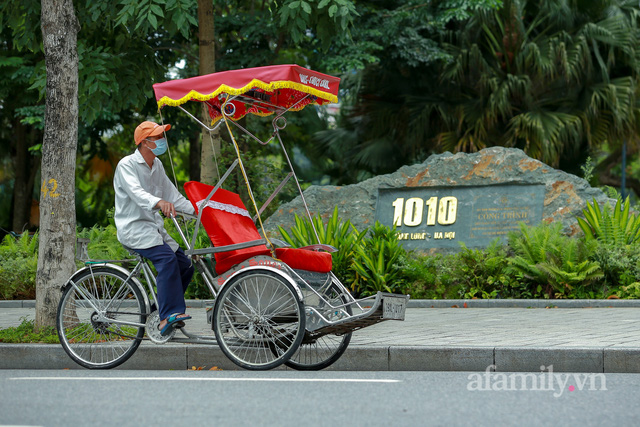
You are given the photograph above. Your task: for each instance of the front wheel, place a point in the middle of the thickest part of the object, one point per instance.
(255, 312)
(101, 319)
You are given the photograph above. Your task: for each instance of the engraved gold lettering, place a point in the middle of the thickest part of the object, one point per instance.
(431, 212)
(410, 213)
(413, 212)
(397, 204)
(447, 210)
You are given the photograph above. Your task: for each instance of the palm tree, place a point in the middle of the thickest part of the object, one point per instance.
(549, 77)
(552, 77)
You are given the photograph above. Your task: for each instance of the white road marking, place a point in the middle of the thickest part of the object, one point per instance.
(325, 380)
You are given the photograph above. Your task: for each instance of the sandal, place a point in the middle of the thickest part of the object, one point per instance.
(173, 322)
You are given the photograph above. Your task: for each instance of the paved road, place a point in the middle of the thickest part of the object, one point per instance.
(78, 398)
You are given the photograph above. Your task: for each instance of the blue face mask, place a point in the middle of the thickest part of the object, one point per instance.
(161, 147)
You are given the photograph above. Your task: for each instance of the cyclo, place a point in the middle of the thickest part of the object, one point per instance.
(272, 304)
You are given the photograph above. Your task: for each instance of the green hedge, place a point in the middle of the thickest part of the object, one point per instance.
(18, 263)
(536, 262)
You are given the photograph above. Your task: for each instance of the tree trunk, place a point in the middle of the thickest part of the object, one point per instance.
(210, 144)
(57, 198)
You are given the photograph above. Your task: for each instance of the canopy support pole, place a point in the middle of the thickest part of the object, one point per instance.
(295, 177)
(276, 133)
(199, 122)
(273, 195)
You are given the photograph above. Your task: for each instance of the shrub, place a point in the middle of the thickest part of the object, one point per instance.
(620, 264)
(631, 291)
(339, 234)
(570, 271)
(483, 273)
(428, 277)
(376, 262)
(470, 273)
(553, 264)
(615, 226)
(103, 243)
(539, 262)
(18, 265)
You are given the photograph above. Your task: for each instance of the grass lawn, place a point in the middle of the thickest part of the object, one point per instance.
(25, 333)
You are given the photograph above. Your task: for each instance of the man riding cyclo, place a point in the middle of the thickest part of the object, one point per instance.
(142, 190)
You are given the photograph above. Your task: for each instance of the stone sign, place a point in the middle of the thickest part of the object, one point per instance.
(441, 217)
(505, 182)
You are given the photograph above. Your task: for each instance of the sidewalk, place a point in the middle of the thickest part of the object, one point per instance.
(580, 336)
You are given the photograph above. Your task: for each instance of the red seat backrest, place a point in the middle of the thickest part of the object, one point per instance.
(225, 218)
(227, 221)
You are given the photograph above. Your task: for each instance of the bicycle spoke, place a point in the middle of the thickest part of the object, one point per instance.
(89, 333)
(258, 320)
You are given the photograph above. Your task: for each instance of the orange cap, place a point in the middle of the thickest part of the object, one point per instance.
(147, 129)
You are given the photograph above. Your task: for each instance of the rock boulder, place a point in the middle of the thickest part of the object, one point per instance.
(565, 195)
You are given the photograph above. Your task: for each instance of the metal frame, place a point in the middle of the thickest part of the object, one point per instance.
(317, 324)
(278, 123)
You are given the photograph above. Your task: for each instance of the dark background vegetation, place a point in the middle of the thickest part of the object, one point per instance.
(555, 78)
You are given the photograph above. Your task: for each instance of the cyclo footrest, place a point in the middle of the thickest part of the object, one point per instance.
(385, 307)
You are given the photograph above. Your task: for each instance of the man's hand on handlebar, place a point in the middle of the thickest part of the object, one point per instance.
(167, 208)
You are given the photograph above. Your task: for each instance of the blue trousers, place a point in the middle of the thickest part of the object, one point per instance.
(174, 274)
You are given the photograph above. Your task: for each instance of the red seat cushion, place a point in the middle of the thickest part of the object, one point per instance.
(224, 262)
(304, 259)
(226, 220)
(299, 259)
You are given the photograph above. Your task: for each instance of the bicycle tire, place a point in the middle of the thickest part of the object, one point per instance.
(95, 343)
(255, 311)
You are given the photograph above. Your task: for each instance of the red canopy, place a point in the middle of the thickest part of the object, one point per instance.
(262, 90)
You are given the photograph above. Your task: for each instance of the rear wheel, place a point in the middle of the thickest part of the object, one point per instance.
(255, 312)
(317, 353)
(101, 319)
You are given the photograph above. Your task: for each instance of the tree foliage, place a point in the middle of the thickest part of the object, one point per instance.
(119, 59)
(125, 47)
(550, 77)
(381, 125)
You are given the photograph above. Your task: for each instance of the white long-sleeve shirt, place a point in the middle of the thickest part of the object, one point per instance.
(139, 188)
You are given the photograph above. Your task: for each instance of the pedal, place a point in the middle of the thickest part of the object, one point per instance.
(153, 320)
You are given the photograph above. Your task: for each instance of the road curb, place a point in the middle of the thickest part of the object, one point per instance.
(442, 303)
(524, 303)
(356, 358)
